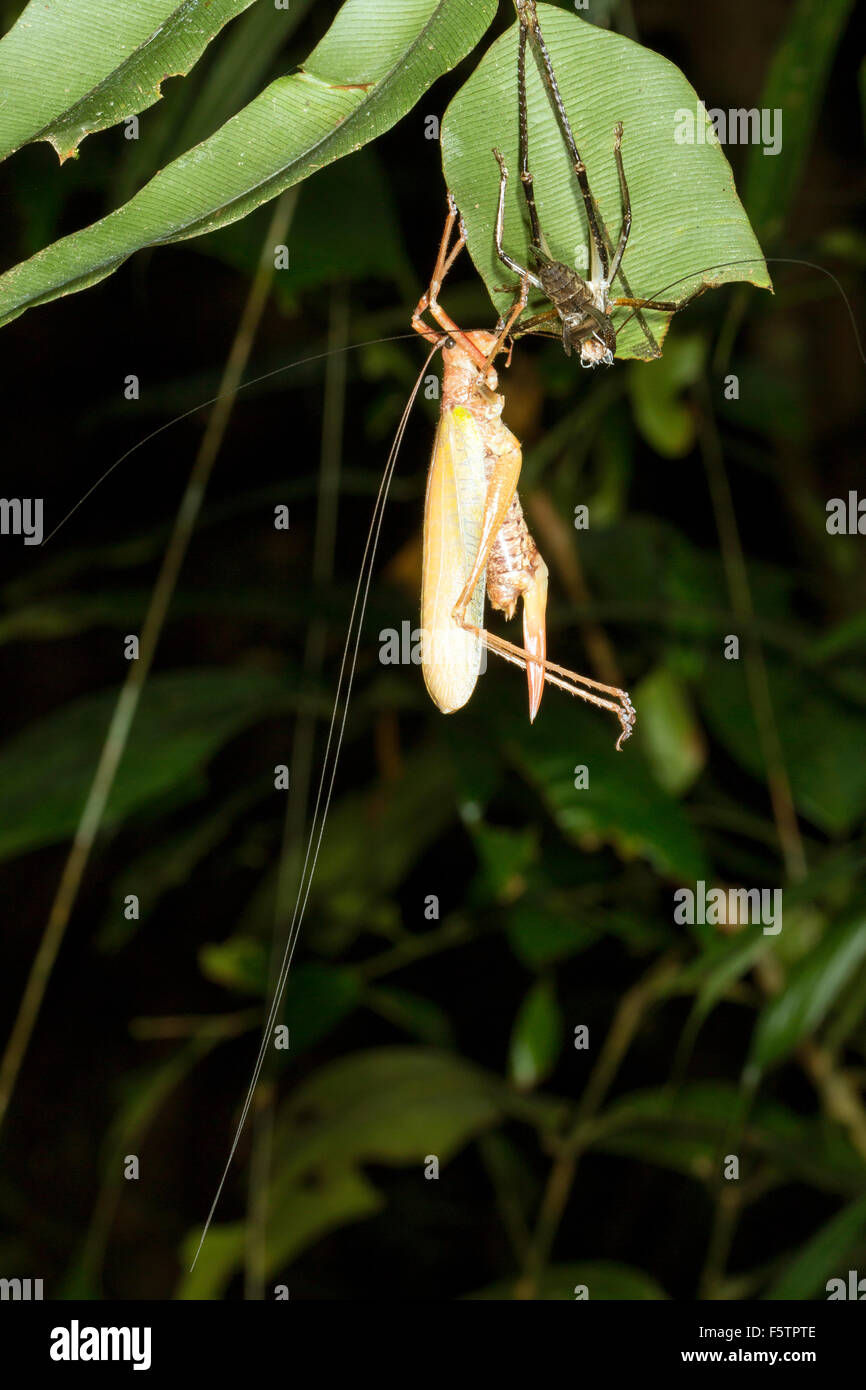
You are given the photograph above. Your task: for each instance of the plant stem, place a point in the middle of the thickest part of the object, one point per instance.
(127, 704)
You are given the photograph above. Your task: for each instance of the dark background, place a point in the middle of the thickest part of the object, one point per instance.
(566, 908)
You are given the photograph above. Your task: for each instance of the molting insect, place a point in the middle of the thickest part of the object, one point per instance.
(583, 306)
(475, 533)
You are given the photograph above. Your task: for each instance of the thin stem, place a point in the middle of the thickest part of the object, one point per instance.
(627, 1020)
(733, 560)
(127, 704)
(300, 773)
(726, 1213)
(455, 931)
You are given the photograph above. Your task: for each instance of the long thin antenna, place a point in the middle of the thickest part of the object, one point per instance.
(245, 386)
(767, 260)
(330, 763)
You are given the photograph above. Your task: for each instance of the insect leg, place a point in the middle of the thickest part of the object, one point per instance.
(501, 487)
(625, 226)
(667, 305)
(533, 325)
(526, 178)
(429, 301)
(500, 224)
(602, 246)
(528, 17)
(582, 686)
(444, 260)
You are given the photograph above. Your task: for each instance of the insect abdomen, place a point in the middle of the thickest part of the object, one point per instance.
(453, 512)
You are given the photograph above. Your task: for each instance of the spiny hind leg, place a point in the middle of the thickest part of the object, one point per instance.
(584, 687)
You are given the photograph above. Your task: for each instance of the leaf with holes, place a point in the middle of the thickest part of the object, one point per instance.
(122, 55)
(376, 60)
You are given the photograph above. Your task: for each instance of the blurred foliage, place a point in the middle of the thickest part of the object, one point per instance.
(476, 899)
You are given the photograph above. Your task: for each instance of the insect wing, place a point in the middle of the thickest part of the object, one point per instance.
(453, 512)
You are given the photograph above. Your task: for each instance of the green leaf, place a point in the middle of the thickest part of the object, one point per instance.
(811, 991)
(680, 1130)
(505, 857)
(304, 1214)
(723, 962)
(795, 86)
(818, 728)
(689, 1129)
(602, 1279)
(536, 1038)
(667, 421)
(376, 60)
(368, 848)
(540, 932)
(687, 217)
(239, 963)
(122, 55)
(675, 746)
(823, 1257)
(318, 996)
(238, 67)
(184, 718)
(415, 1015)
(391, 1105)
(622, 805)
(321, 252)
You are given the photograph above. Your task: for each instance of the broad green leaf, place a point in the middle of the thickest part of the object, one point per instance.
(304, 1213)
(794, 89)
(377, 59)
(623, 804)
(234, 74)
(662, 415)
(185, 716)
(688, 1129)
(391, 1105)
(823, 1257)
(413, 1014)
(674, 743)
(318, 996)
(602, 1279)
(812, 989)
(689, 226)
(505, 857)
(818, 728)
(239, 963)
(540, 934)
(70, 67)
(368, 847)
(388, 1105)
(321, 252)
(536, 1038)
(238, 68)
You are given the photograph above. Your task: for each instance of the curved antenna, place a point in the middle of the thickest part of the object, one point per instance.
(254, 381)
(749, 260)
(328, 775)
